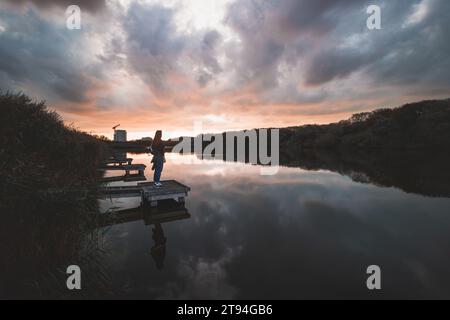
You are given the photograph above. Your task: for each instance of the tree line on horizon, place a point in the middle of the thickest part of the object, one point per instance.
(420, 125)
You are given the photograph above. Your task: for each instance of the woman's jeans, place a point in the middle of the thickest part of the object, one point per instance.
(159, 165)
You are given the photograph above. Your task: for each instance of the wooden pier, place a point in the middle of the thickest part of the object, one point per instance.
(148, 192)
(126, 167)
(125, 178)
(133, 172)
(123, 164)
(119, 161)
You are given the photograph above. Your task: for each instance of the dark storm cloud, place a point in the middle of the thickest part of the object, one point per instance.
(207, 54)
(328, 65)
(270, 29)
(257, 60)
(318, 17)
(156, 49)
(263, 53)
(36, 56)
(90, 5)
(153, 45)
(400, 54)
(318, 36)
(419, 54)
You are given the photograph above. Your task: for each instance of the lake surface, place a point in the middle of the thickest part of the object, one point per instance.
(296, 234)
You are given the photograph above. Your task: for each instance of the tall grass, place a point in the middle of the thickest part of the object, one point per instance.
(47, 199)
(38, 151)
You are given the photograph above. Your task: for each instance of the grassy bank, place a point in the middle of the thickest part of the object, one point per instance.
(43, 228)
(38, 151)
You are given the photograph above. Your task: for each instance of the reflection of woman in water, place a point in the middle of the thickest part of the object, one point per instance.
(158, 157)
(158, 250)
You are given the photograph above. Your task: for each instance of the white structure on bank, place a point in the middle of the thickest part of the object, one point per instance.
(120, 135)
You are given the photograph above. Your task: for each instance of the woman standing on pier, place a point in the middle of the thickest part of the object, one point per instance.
(158, 157)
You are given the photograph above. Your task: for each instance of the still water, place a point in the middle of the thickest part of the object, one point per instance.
(296, 234)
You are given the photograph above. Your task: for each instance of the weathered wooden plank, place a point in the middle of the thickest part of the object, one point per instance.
(166, 183)
(170, 189)
(125, 178)
(165, 196)
(131, 167)
(119, 161)
(167, 187)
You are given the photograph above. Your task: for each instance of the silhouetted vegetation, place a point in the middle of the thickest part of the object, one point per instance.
(418, 125)
(406, 147)
(38, 151)
(415, 126)
(48, 179)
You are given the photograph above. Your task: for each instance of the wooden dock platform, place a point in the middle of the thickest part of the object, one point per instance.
(128, 168)
(148, 192)
(133, 172)
(125, 178)
(120, 162)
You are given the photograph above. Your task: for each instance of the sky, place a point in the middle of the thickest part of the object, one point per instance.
(189, 65)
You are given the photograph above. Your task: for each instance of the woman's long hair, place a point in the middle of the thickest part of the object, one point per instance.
(158, 137)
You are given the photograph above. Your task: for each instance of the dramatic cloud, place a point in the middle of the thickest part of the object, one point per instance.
(37, 57)
(232, 63)
(329, 41)
(153, 45)
(91, 5)
(415, 52)
(276, 33)
(161, 54)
